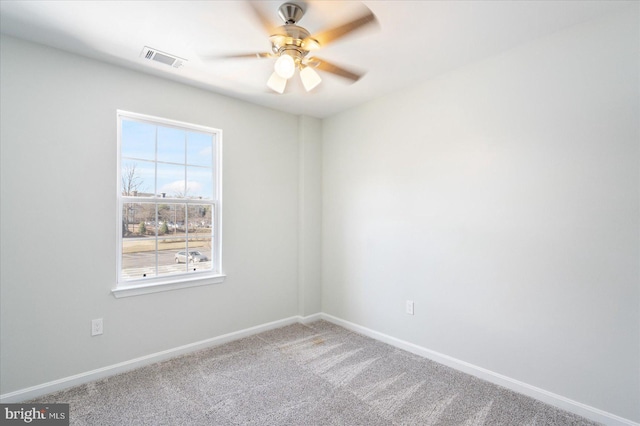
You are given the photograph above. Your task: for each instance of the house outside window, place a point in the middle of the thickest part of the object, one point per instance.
(169, 205)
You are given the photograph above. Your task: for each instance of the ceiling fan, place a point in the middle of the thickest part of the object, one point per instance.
(292, 45)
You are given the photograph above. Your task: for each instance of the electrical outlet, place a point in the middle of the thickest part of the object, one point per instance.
(410, 307)
(96, 327)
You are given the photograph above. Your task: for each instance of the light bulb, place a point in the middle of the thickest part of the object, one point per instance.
(277, 83)
(285, 66)
(310, 78)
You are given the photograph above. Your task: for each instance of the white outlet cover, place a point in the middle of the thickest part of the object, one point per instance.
(410, 307)
(96, 327)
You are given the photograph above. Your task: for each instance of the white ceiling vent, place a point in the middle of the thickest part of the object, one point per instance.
(162, 57)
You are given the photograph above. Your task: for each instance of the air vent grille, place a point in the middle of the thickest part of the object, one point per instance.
(155, 55)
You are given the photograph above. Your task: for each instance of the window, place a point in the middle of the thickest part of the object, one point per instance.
(169, 205)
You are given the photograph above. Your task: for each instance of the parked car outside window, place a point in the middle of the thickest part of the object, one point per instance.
(194, 256)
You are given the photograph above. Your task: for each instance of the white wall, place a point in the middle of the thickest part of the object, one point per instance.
(58, 213)
(503, 199)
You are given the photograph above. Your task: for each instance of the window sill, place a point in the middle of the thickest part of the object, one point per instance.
(158, 286)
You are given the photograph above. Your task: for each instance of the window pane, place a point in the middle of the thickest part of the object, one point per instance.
(138, 258)
(139, 220)
(147, 219)
(138, 178)
(138, 241)
(200, 236)
(171, 181)
(200, 253)
(172, 242)
(132, 215)
(138, 140)
(171, 219)
(199, 183)
(171, 145)
(200, 219)
(172, 254)
(199, 149)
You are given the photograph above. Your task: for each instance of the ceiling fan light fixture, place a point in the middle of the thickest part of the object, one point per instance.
(285, 66)
(277, 83)
(310, 78)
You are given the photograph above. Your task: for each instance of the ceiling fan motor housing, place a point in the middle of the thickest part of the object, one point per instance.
(289, 41)
(290, 13)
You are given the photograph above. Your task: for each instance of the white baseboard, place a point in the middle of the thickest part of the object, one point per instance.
(547, 397)
(89, 376)
(490, 376)
(311, 318)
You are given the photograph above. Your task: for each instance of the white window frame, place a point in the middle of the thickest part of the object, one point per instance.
(125, 288)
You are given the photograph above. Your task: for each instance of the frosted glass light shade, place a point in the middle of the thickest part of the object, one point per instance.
(285, 66)
(310, 78)
(277, 83)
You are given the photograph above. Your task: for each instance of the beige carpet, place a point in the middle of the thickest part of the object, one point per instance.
(315, 374)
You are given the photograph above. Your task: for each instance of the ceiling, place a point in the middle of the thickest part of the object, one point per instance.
(412, 41)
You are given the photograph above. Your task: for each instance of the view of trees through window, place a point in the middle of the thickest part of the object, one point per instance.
(168, 200)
